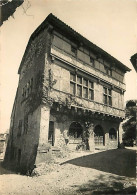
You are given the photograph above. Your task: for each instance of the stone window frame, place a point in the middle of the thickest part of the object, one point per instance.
(82, 87)
(107, 96)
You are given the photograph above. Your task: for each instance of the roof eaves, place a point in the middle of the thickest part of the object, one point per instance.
(64, 27)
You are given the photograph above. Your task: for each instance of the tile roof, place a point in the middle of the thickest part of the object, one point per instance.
(64, 28)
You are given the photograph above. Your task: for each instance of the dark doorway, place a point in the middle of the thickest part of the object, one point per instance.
(99, 136)
(51, 133)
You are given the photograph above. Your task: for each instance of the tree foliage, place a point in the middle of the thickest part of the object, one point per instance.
(130, 125)
(7, 8)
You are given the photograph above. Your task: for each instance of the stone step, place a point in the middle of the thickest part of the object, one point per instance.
(55, 148)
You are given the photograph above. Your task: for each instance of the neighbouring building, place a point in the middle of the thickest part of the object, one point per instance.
(3, 143)
(70, 95)
(133, 60)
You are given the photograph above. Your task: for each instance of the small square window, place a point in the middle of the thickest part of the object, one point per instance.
(73, 50)
(109, 72)
(91, 61)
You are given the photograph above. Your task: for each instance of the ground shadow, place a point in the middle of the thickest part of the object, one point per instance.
(119, 161)
(107, 184)
(4, 169)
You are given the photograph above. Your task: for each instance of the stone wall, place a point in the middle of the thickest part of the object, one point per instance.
(62, 125)
(26, 116)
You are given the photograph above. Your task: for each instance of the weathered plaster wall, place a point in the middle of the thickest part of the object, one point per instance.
(27, 142)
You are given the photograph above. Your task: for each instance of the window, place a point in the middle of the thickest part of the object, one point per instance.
(108, 71)
(99, 138)
(112, 134)
(107, 96)
(75, 131)
(73, 50)
(81, 87)
(91, 61)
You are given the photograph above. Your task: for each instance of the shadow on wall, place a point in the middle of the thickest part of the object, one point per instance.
(119, 161)
(107, 184)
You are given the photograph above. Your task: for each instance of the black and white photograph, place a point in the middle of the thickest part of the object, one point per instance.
(68, 97)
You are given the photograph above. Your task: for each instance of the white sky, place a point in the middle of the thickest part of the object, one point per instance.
(110, 24)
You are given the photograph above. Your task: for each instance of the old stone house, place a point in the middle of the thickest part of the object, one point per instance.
(70, 95)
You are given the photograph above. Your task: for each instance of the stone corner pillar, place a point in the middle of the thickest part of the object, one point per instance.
(120, 133)
(43, 134)
(91, 138)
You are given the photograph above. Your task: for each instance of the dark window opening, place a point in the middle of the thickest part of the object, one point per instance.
(75, 131)
(51, 133)
(74, 50)
(99, 136)
(108, 71)
(91, 61)
(112, 134)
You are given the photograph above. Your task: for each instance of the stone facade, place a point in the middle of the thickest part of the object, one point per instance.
(69, 97)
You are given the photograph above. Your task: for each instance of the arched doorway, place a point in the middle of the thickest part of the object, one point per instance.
(75, 134)
(75, 130)
(112, 134)
(99, 136)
